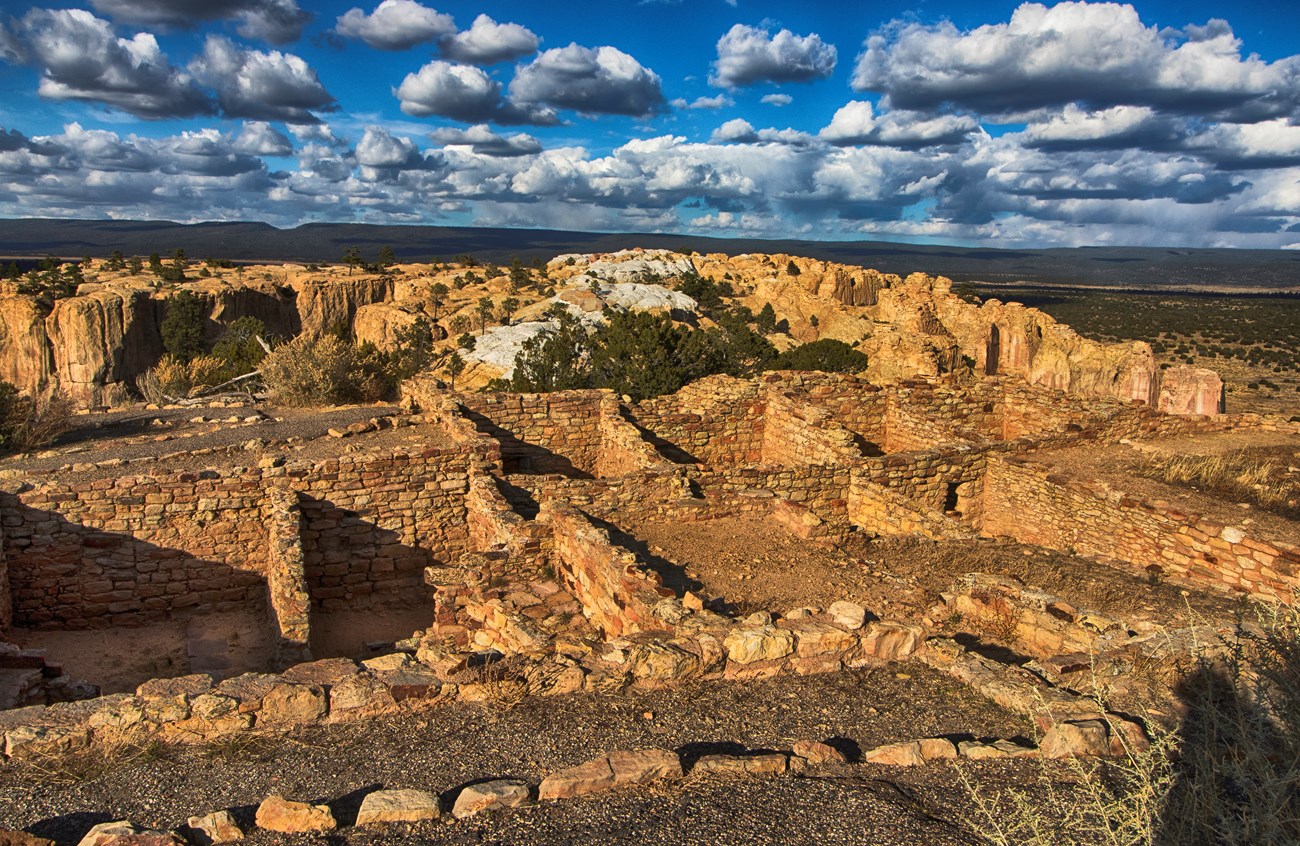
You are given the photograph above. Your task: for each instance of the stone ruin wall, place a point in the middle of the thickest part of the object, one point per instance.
(1031, 503)
(128, 551)
(456, 505)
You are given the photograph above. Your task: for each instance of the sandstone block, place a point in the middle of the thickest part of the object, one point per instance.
(291, 704)
(1076, 739)
(214, 828)
(937, 749)
(491, 796)
(762, 764)
(818, 753)
(390, 806)
(22, 838)
(765, 643)
(641, 766)
(905, 754)
(287, 817)
(590, 777)
(124, 833)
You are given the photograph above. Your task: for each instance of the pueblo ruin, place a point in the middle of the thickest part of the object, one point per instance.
(976, 485)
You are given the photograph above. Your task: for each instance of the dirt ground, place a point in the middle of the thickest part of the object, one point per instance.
(457, 743)
(167, 440)
(755, 565)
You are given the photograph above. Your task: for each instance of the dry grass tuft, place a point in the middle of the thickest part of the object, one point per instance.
(1228, 775)
(1262, 481)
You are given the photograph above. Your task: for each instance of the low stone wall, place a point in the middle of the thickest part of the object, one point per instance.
(618, 596)
(286, 578)
(1031, 503)
(883, 512)
(796, 434)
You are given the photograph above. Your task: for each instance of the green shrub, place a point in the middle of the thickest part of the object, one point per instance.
(825, 354)
(182, 326)
(238, 347)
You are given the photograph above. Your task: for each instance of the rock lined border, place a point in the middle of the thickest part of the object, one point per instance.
(617, 770)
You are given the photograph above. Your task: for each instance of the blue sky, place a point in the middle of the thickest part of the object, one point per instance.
(998, 124)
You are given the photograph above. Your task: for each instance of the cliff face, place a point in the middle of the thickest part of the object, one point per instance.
(917, 326)
(92, 346)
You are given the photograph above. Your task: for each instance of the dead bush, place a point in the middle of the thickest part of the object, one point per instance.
(28, 422)
(1239, 474)
(172, 378)
(311, 371)
(1226, 775)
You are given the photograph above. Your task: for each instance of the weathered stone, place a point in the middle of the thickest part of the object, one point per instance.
(979, 751)
(905, 754)
(214, 828)
(641, 766)
(848, 615)
(124, 833)
(292, 704)
(288, 817)
(591, 777)
(491, 796)
(818, 753)
(887, 641)
(22, 838)
(765, 643)
(391, 806)
(1076, 739)
(937, 749)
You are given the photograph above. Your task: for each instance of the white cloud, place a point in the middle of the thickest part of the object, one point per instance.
(261, 85)
(748, 55)
(857, 123)
(721, 101)
(603, 80)
(463, 93)
(777, 99)
(81, 59)
(1096, 53)
(483, 141)
(487, 42)
(395, 25)
(261, 139)
(276, 21)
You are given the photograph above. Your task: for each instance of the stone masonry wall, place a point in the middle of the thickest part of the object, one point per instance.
(797, 433)
(134, 550)
(1029, 502)
(617, 594)
(542, 433)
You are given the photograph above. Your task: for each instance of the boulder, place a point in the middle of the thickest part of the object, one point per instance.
(756, 764)
(617, 769)
(847, 615)
(818, 753)
(124, 833)
(762, 643)
(905, 754)
(1076, 738)
(292, 704)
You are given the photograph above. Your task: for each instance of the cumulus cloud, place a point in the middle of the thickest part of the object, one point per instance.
(1095, 53)
(1118, 127)
(858, 123)
(777, 99)
(261, 139)
(484, 142)
(261, 85)
(464, 93)
(395, 25)
(82, 59)
(748, 55)
(740, 131)
(487, 42)
(1269, 144)
(721, 101)
(603, 80)
(275, 21)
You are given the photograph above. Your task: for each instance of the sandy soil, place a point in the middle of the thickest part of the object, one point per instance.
(457, 743)
(755, 565)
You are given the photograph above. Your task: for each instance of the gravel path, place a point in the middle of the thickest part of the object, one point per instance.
(458, 743)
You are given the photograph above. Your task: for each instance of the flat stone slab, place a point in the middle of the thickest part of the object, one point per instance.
(390, 806)
(491, 796)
